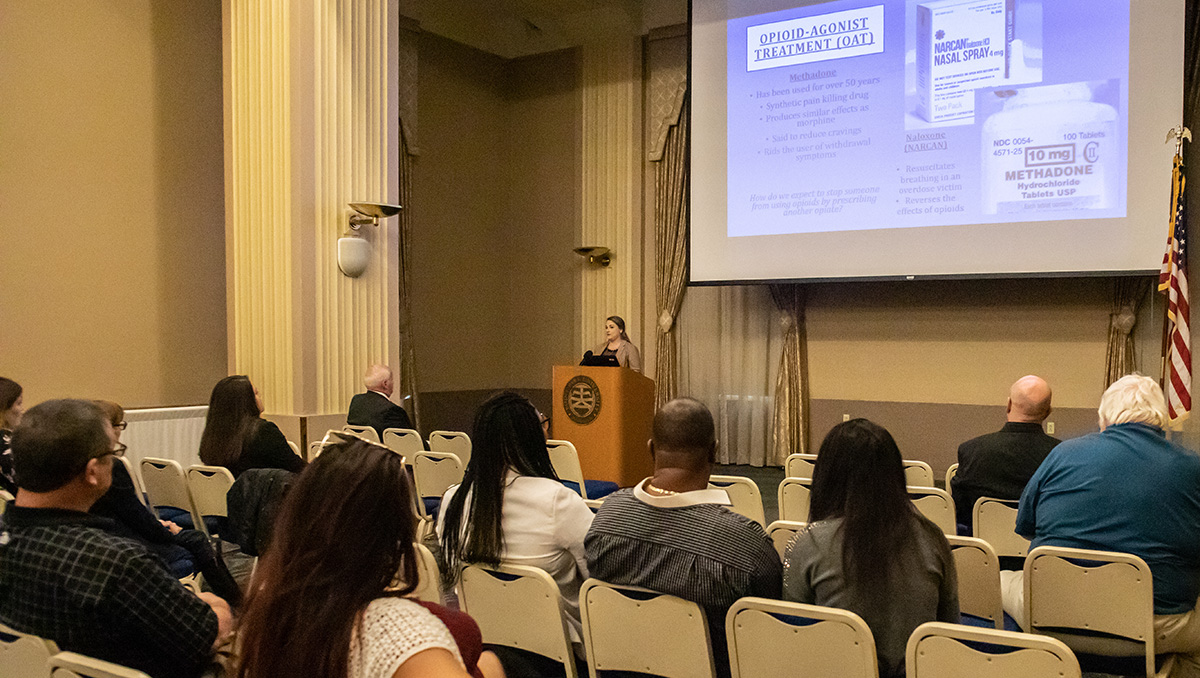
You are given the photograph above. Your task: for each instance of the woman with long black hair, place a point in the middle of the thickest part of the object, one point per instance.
(866, 548)
(237, 437)
(12, 408)
(511, 506)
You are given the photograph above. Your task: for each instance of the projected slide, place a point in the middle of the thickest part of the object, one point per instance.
(853, 115)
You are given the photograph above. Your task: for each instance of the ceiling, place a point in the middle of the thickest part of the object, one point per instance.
(515, 28)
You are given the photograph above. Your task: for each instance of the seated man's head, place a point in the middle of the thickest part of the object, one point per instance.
(684, 437)
(64, 448)
(379, 378)
(1133, 399)
(1029, 400)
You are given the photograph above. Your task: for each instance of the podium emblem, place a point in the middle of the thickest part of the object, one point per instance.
(581, 400)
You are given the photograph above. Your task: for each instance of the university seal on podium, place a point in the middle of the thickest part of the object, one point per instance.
(581, 400)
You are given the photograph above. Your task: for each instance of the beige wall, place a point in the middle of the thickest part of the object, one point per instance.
(496, 208)
(112, 280)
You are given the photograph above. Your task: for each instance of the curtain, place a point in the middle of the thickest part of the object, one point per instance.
(789, 421)
(670, 253)
(729, 342)
(408, 359)
(1127, 296)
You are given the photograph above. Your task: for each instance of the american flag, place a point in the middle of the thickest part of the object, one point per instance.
(1177, 371)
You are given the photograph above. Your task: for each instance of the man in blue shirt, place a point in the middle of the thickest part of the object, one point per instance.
(1127, 489)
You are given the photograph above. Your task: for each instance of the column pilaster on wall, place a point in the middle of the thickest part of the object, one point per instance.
(612, 187)
(310, 125)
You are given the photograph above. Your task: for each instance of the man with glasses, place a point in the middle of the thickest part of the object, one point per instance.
(65, 577)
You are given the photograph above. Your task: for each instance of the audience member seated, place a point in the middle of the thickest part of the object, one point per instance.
(1127, 489)
(328, 598)
(183, 551)
(866, 548)
(511, 506)
(375, 407)
(65, 576)
(236, 437)
(12, 406)
(672, 534)
(999, 464)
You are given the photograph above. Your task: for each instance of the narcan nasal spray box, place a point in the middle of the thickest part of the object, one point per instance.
(962, 45)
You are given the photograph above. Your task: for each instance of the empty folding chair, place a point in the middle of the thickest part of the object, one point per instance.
(799, 465)
(978, 571)
(454, 442)
(403, 441)
(744, 493)
(167, 491)
(74, 665)
(565, 459)
(794, 496)
(23, 655)
(782, 531)
(776, 638)
(209, 486)
(939, 650)
(995, 521)
(628, 628)
(917, 473)
(520, 607)
(433, 474)
(935, 505)
(1100, 603)
(364, 431)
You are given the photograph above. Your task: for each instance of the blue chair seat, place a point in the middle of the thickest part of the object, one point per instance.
(596, 489)
(182, 518)
(432, 505)
(1010, 624)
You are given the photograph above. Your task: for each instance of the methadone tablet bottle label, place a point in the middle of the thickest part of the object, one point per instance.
(962, 45)
(1050, 149)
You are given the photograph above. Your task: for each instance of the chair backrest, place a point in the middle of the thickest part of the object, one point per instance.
(433, 474)
(295, 449)
(794, 495)
(1096, 592)
(918, 473)
(314, 449)
(939, 650)
(799, 465)
(995, 521)
(766, 640)
(782, 531)
(135, 477)
(623, 628)
(166, 485)
(950, 473)
(745, 495)
(978, 579)
(23, 655)
(73, 665)
(367, 432)
(495, 596)
(404, 441)
(209, 485)
(455, 442)
(429, 584)
(935, 505)
(565, 460)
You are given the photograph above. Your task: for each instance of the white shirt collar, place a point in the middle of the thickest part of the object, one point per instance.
(371, 390)
(711, 495)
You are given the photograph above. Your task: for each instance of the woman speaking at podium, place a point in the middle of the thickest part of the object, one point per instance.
(617, 343)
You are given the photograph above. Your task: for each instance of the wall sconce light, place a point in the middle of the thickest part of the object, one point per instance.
(598, 256)
(354, 251)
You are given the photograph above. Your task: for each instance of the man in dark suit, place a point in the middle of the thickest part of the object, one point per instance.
(1000, 464)
(375, 408)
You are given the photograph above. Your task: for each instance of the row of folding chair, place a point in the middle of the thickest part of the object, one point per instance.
(23, 655)
(199, 493)
(633, 629)
(916, 473)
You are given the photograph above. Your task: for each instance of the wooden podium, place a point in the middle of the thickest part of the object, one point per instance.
(608, 413)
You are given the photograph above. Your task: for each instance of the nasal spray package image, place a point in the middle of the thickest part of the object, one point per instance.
(962, 45)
